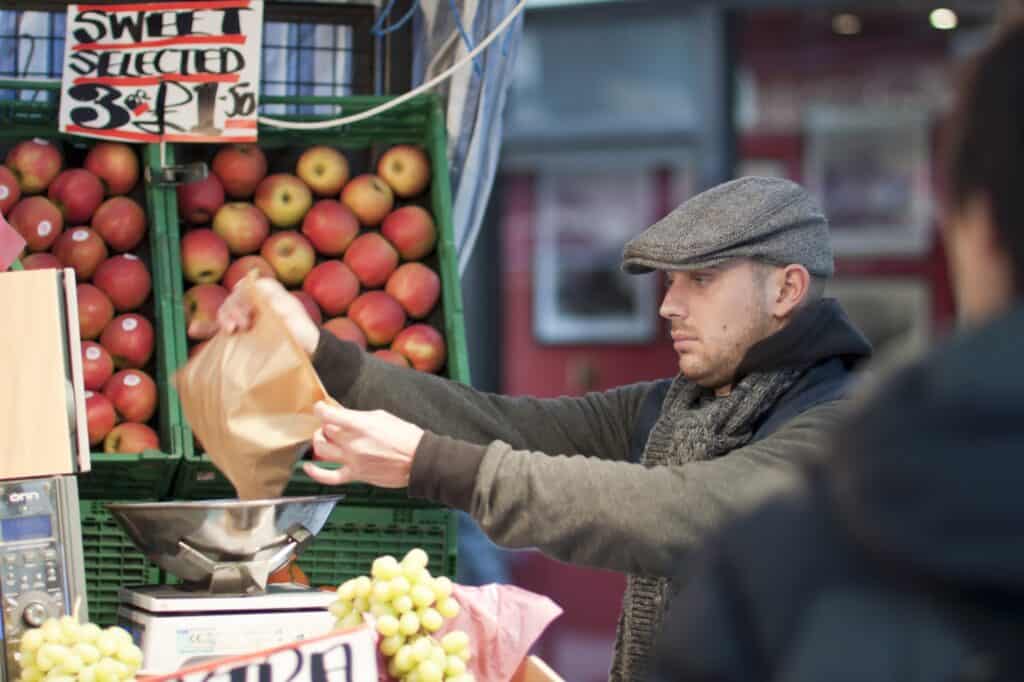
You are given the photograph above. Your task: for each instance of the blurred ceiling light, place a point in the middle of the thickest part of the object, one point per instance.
(846, 24)
(943, 19)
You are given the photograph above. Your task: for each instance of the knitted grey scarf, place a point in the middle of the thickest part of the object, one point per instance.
(690, 428)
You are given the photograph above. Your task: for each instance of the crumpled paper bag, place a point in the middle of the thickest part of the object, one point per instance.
(503, 623)
(249, 398)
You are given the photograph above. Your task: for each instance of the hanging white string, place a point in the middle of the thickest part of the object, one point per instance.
(432, 83)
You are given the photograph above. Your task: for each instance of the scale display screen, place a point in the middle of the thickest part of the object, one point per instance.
(25, 528)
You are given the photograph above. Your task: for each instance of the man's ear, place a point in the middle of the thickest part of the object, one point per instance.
(793, 284)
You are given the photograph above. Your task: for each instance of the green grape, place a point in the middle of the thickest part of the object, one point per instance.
(70, 630)
(454, 666)
(382, 591)
(430, 619)
(89, 653)
(393, 670)
(86, 674)
(442, 588)
(340, 609)
(416, 557)
(429, 672)
(90, 632)
(52, 631)
(31, 674)
(465, 654)
(381, 610)
(60, 678)
(404, 659)
(438, 656)
(387, 626)
(422, 596)
(421, 649)
(352, 620)
(71, 664)
(413, 676)
(32, 640)
(455, 641)
(363, 587)
(361, 605)
(448, 607)
(50, 655)
(108, 643)
(27, 659)
(347, 590)
(403, 604)
(385, 567)
(108, 670)
(399, 586)
(389, 646)
(130, 655)
(409, 624)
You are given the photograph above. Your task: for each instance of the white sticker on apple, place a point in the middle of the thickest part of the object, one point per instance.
(39, 140)
(89, 394)
(80, 235)
(44, 228)
(132, 380)
(92, 353)
(129, 324)
(131, 256)
(5, 192)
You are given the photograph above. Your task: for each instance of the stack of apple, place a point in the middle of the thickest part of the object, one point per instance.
(80, 218)
(341, 245)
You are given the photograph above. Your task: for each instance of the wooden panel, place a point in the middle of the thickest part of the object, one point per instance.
(35, 437)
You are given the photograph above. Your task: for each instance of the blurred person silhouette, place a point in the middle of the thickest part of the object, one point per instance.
(900, 556)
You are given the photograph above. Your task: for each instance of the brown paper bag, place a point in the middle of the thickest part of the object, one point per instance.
(249, 398)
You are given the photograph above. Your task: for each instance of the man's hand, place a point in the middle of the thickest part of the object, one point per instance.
(236, 313)
(373, 447)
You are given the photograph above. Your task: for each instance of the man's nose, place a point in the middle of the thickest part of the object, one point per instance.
(673, 304)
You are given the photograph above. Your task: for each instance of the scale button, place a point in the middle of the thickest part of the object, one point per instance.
(31, 556)
(39, 575)
(50, 554)
(39, 585)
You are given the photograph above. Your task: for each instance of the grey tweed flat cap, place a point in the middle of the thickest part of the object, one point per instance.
(766, 219)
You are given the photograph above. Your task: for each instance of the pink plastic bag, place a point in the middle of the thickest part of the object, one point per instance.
(502, 621)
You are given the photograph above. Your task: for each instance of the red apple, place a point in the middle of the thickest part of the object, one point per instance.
(325, 170)
(115, 164)
(411, 230)
(100, 415)
(121, 222)
(310, 305)
(241, 267)
(38, 221)
(333, 286)
(291, 255)
(198, 201)
(129, 340)
(369, 197)
(35, 163)
(242, 226)
(240, 168)
(204, 256)
(284, 198)
(406, 169)
(346, 330)
(125, 280)
(94, 311)
(372, 258)
(201, 305)
(77, 193)
(133, 393)
(379, 315)
(82, 249)
(130, 439)
(330, 226)
(10, 191)
(97, 365)
(416, 287)
(422, 345)
(40, 261)
(391, 357)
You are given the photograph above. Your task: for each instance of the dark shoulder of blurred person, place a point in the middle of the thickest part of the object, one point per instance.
(901, 557)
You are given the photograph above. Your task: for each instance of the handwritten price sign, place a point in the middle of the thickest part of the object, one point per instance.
(178, 71)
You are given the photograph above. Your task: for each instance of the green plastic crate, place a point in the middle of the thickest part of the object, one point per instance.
(111, 562)
(148, 475)
(418, 121)
(354, 536)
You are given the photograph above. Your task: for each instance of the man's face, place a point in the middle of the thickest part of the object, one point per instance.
(717, 314)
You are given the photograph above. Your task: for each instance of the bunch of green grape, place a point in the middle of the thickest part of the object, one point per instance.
(64, 650)
(408, 605)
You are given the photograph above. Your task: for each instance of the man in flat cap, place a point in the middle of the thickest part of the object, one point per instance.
(633, 478)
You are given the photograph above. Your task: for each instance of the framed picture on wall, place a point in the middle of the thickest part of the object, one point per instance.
(580, 294)
(870, 169)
